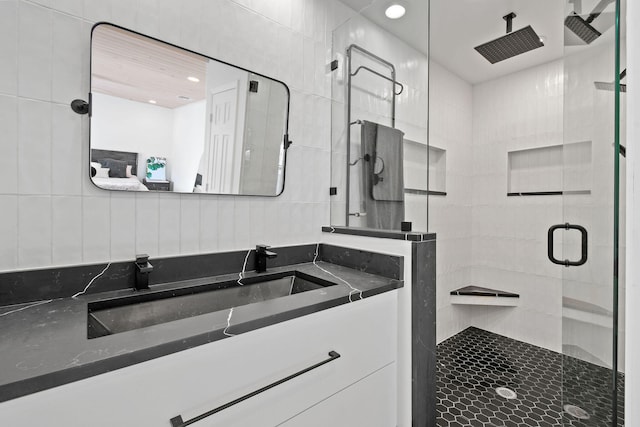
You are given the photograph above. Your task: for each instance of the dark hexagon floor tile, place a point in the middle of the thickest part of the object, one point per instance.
(473, 363)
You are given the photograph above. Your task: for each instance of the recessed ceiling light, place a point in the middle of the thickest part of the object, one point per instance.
(543, 39)
(395, 11)
(184, 98)
(152, 101)
(193, 79)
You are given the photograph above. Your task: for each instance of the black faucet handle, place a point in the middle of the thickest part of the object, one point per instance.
(143, 264)
(262, 250)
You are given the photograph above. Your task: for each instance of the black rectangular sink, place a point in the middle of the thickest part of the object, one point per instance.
(123, 314)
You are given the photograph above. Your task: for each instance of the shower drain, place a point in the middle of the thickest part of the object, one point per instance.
(507, 393)
(577, 412)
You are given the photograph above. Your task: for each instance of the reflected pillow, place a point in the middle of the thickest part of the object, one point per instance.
(102, 173)
(128, 173)
(117, 168)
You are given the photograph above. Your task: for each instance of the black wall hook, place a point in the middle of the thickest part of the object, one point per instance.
(80, 106)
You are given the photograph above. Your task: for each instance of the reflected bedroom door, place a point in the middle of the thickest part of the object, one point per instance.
(221, 161)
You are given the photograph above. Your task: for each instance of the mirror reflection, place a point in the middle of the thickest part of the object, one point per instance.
(167, 119)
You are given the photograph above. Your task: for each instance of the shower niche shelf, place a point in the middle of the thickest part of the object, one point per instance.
(416, 176)
(551, 170)
(477, 295)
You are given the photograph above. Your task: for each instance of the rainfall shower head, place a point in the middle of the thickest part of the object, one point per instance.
(582, 28)
(510, 45)
(611, 86)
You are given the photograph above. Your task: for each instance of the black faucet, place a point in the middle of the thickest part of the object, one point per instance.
(143, 268)
(261, 257)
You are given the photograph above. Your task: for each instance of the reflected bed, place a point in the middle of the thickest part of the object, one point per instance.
(130, 182)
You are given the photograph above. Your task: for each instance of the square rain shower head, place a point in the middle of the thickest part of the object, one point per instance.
(581, 28)
(609, 86)
(510, 45)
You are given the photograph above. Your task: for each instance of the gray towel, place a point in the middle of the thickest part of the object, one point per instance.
(382, 175)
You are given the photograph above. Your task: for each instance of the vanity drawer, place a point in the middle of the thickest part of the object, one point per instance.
(362, 333)
(195, 381)
(369, 402)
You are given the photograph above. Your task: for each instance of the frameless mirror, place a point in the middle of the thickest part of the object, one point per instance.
(164, 118)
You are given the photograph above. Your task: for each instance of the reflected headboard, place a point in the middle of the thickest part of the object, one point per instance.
(130, 158)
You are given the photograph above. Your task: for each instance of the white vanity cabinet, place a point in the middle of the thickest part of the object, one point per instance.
(195, 381)
(370, 402)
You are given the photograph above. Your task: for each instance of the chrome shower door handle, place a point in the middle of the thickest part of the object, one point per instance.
(566, 262)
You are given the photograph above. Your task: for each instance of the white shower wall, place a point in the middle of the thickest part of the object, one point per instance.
(484, 237)
(51, 213)
(450, 216)
(509, 250)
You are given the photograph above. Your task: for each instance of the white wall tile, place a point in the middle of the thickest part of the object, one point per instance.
(284, 222)
(9, 145)
(96, 229)
(297, 15)
(67, 70)
(208, 224)
(34, 231)
(71, 7)
(272, 220)
(35, 51)
(147, 224)
(123, 227)
(241, 225)
(168, 10)
(9, 232)
(284, 12)
(9, 47)
(148, 17)
(67, 171)
(258, 224)
(296, 62)
(34, 147)
(169, 224)
(96, 11)
(67, 243)
(226, 223)
(308, 65)
(189, 224)
(190, 24)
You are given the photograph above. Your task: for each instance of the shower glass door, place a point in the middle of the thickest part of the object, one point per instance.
(593, 208)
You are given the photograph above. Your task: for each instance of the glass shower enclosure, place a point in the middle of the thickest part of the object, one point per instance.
(590, 238)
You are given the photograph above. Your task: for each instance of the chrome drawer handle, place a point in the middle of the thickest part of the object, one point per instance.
(178, 422)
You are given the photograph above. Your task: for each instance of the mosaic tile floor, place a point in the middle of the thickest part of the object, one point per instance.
(474, 363)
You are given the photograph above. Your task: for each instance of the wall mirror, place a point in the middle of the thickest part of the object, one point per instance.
(164, 118)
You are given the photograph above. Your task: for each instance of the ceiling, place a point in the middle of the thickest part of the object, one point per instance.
(457, 26)
(134, 67)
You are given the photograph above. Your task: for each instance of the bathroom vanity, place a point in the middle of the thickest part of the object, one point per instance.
(316, 356)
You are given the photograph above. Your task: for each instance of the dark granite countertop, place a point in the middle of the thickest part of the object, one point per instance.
(44, 344)
(413, 236)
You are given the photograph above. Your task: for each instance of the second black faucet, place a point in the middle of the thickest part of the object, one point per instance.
(261, 257)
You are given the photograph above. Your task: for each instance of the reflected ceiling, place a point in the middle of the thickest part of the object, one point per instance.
(129, 66)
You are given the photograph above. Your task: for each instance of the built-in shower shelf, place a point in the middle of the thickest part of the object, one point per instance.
(424, 164)
(585, 312)
(477, 295)
(551, 170)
